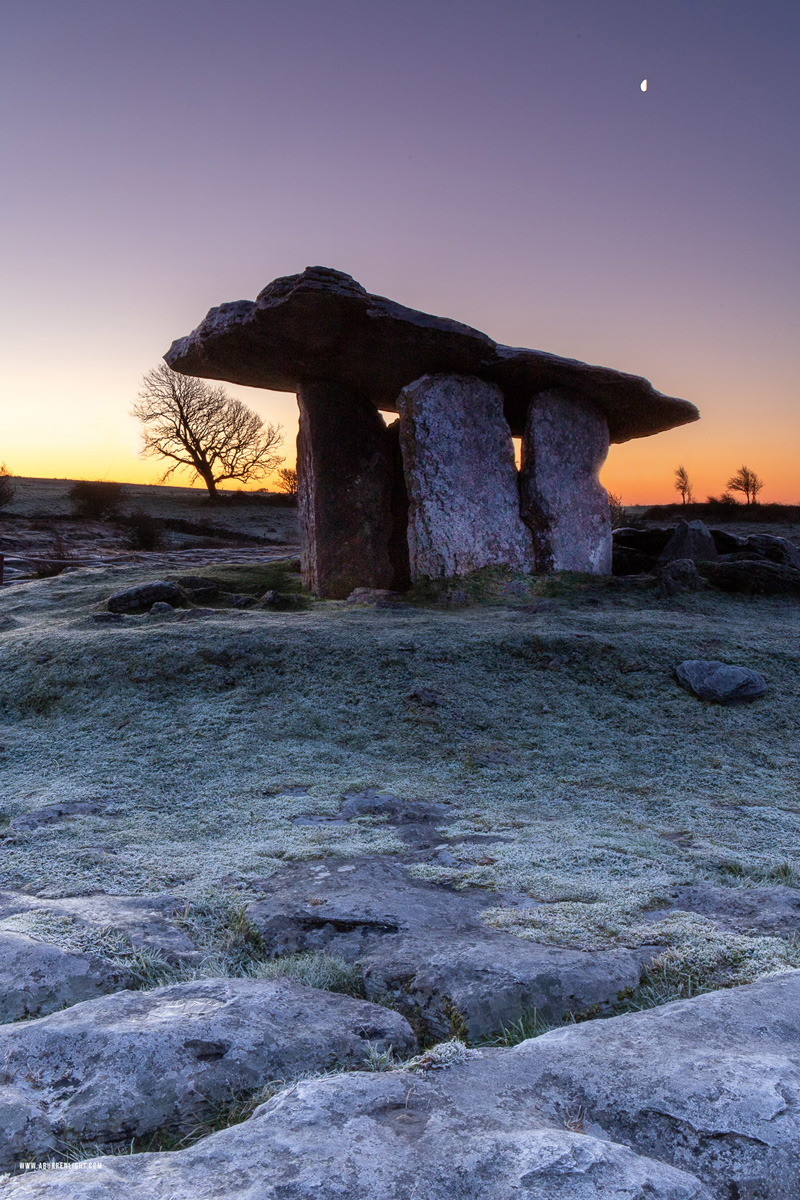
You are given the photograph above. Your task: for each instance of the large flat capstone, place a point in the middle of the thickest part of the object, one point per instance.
(322, 325)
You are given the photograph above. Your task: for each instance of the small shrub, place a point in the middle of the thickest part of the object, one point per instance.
(619, 517)
(7, 490)
(95, 499)
(142, 532)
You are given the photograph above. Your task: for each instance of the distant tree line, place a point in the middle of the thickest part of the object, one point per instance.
(745, 481)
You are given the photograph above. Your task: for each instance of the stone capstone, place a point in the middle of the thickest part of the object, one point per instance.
(720, 683)
(322, 325)
(695, 1100)
(458, 460)
(754, 577)
(37, 978)
(425, 946)
(126, 1065)
(564, 445)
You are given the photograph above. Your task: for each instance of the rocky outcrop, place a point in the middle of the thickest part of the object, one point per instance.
(144, 595)
(458, 459)
(562, 500)
(129, 1064)
(754, 577)
(425, 946)
(322, 325)
(697, 1100)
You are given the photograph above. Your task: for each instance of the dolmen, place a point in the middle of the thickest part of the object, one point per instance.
(437, 493)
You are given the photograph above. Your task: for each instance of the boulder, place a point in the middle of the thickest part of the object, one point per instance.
(720, 683)
(691, 540)
(561, 498)
(678, 575)
(696, 1100)
(129, 1064)
(144, 595)
(425, 946)
(322, 325)
(773, 549)
(754, 577)
(458, 459)
(37, 978)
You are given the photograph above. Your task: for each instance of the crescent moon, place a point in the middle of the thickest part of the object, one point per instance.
(643, 85)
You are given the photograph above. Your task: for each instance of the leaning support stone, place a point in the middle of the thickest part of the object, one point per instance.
(461, 478)
(562, 500)
(347, 493)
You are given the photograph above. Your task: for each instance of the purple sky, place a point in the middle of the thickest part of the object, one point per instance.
(495, 162)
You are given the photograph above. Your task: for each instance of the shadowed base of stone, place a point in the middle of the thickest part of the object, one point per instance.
(423, 948)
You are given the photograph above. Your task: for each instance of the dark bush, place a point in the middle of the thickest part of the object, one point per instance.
(95, 499)
(142, 532)
(7, 491)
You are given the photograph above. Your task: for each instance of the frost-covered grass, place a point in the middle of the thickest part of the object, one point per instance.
(560, 729)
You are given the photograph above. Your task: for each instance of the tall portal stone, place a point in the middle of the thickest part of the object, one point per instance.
(562, 500)
(348, 490)
(458, 459)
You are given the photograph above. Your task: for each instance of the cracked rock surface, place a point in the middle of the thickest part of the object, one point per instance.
(697, 1100)
(424, 946)
(37, 978)
(134, 1063)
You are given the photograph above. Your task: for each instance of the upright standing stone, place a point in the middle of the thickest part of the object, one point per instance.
(347, 492)
(563, 502)
(461, 478)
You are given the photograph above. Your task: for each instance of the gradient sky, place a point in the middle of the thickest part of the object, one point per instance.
(494, 161)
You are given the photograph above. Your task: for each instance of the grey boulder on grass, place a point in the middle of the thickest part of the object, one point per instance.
(37, 978)
(719, 682)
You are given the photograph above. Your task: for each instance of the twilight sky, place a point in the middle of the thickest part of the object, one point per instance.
(494, 161)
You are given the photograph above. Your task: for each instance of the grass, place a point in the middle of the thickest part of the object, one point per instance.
(610, 787)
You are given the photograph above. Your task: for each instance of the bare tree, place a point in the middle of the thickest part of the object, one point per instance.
(204, 429)
(747, 482)
(7, 489)
(683, 484)
(287, 480)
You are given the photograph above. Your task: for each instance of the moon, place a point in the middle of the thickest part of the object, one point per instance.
(643, 85)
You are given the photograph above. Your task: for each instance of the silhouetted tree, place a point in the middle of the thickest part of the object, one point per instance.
(7, 489)
(204, 429)
(747, 482)
(684, 485)
(287, 480)
(616, 511)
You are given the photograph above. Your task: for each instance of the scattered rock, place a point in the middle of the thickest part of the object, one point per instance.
(772, 549)
(378, 597)
(238, 600)
(283, 601)
(144, 595)
(678, 575)
(754, 577)
(691, 540)
(696, 1100)
(37, 978)
(427, 697)
(107, 618)
(129, 1064)
(161, 607)
(719, 682)
(425, 946)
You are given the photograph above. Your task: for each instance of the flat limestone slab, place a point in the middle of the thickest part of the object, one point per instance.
(132, 1063)
(425, 946)
(323, 325)
(696, 1100)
